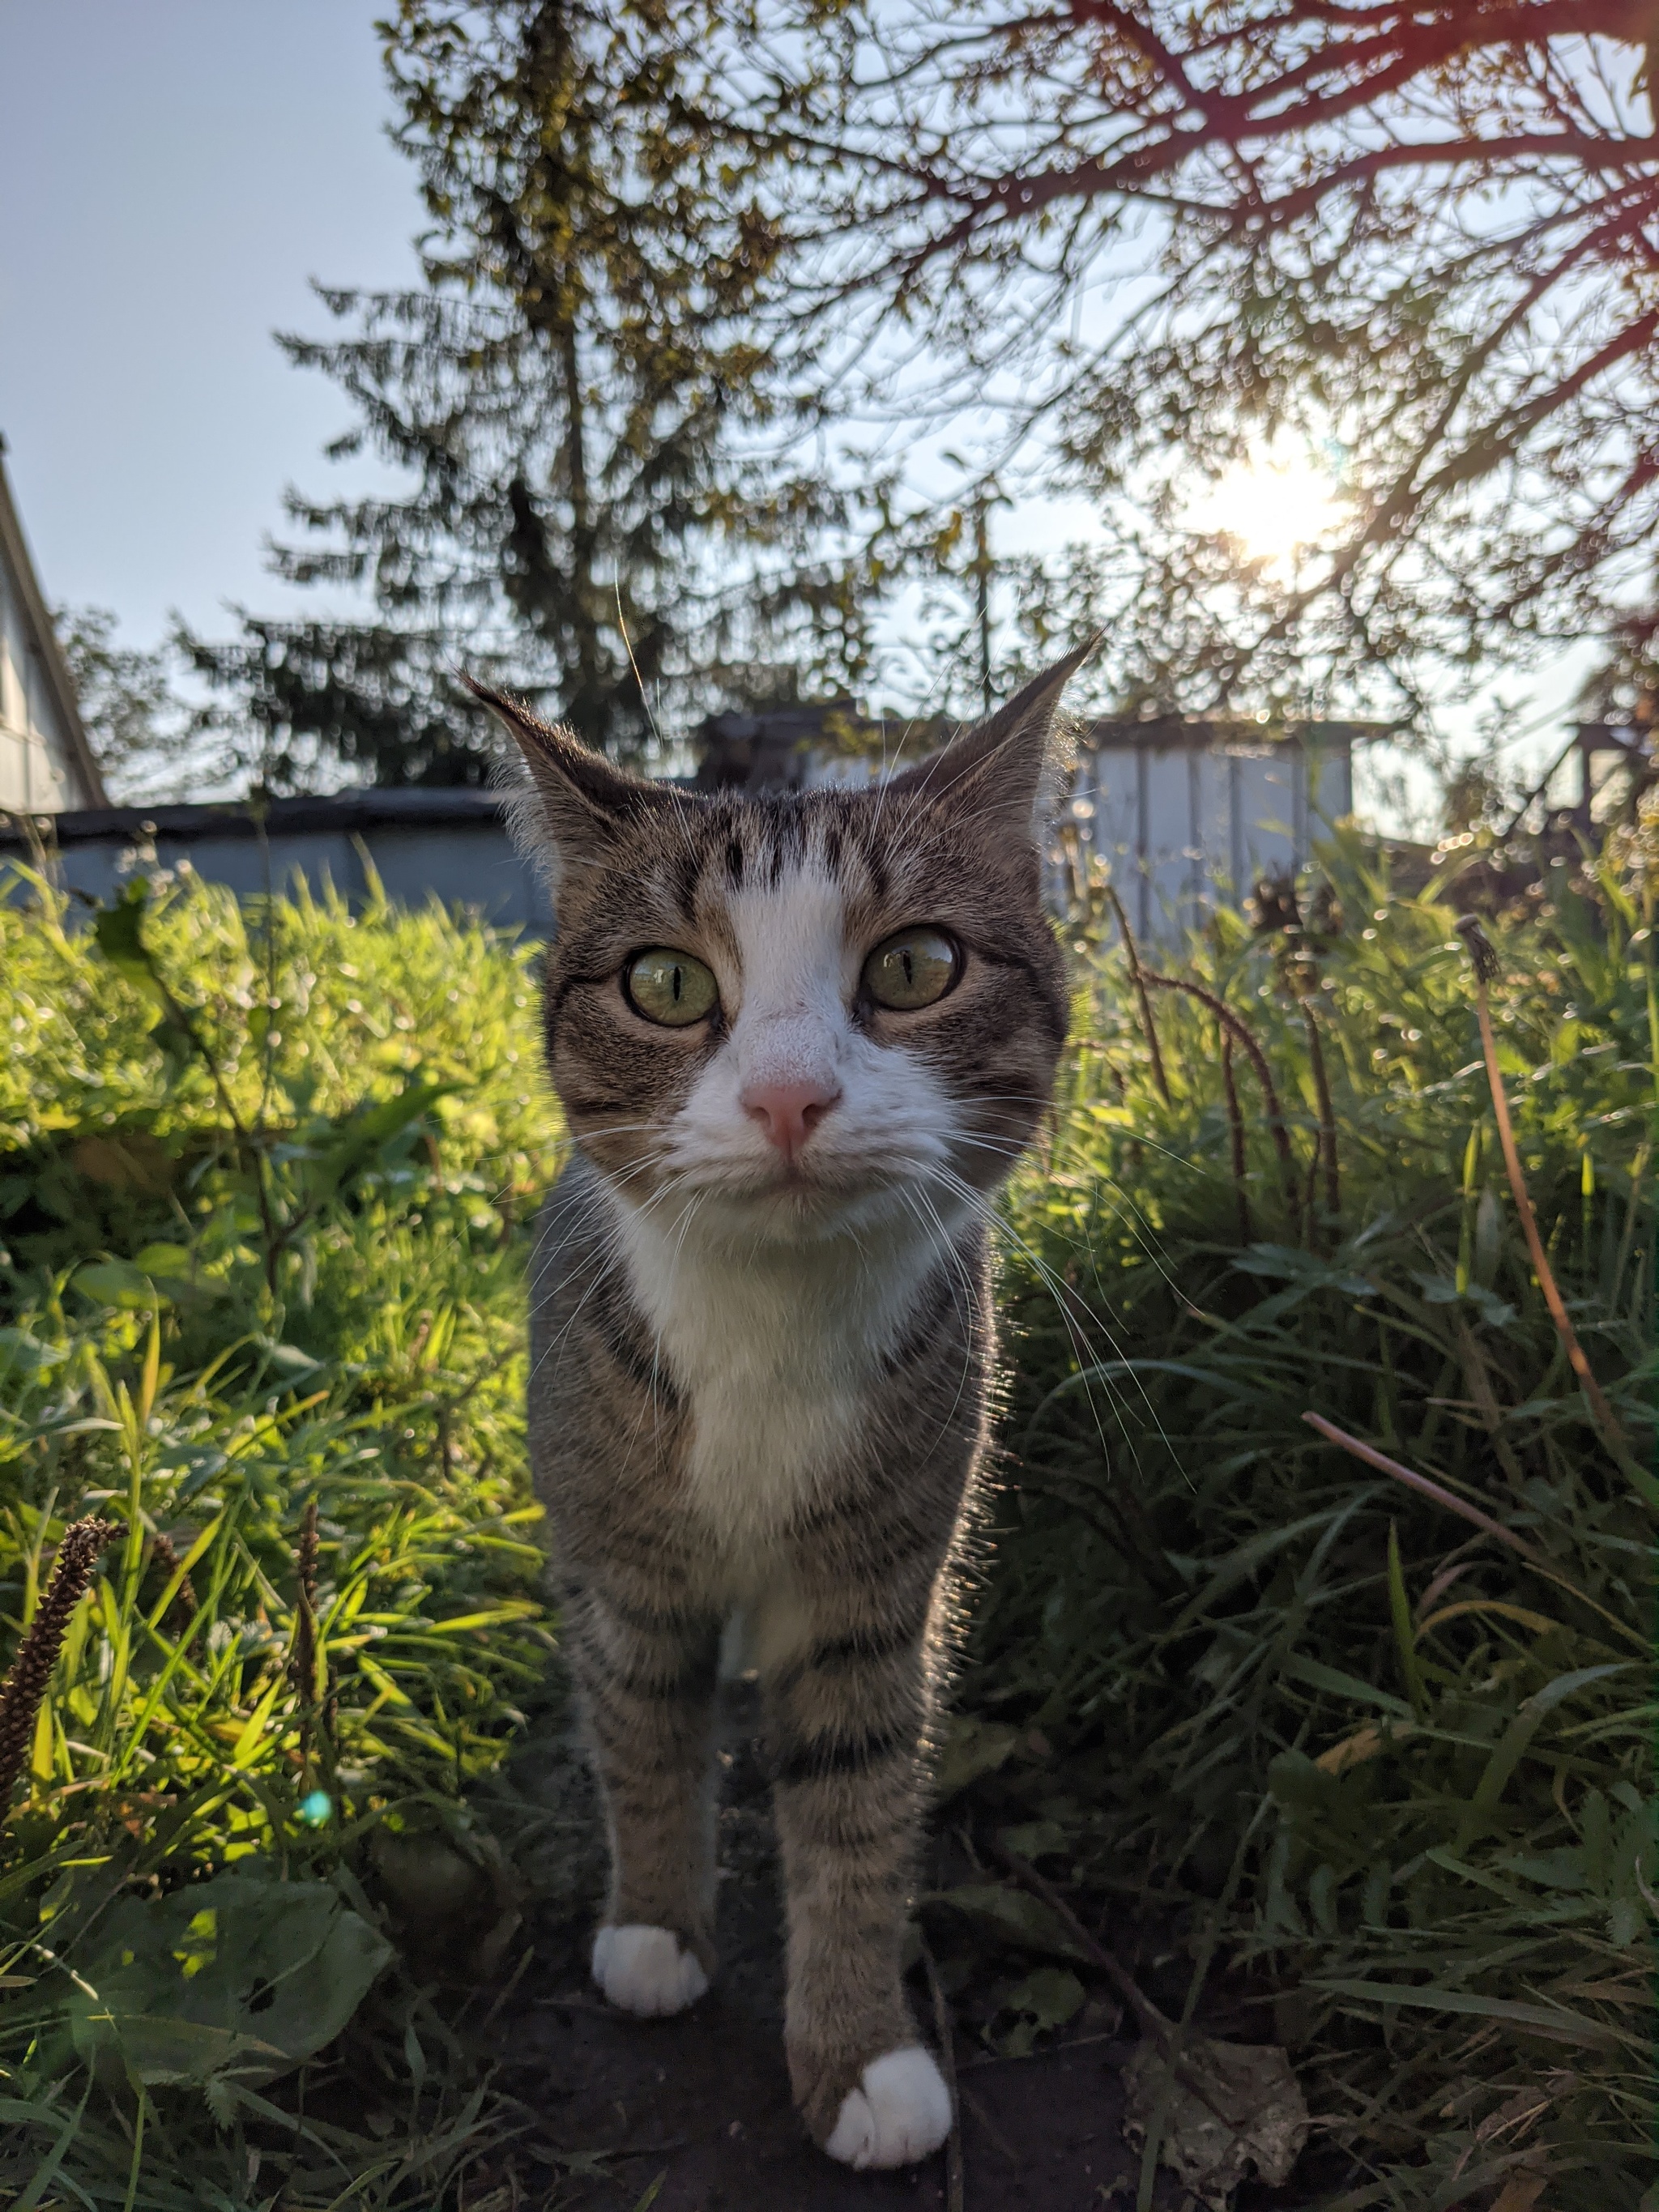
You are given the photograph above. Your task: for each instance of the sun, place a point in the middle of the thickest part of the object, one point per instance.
(1278, 509)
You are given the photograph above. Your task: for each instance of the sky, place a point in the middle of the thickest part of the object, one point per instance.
(173, 175)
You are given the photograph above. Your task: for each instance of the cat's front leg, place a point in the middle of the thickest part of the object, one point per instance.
(847, 1721)
(647, 1680)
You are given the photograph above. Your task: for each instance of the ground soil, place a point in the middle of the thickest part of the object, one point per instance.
(699, 2107)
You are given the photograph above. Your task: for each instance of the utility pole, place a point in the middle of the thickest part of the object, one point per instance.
(987, 495)
(982, 579)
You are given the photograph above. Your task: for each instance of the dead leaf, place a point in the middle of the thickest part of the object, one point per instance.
(1518, 2113)
(1366, 1742)
(1231, 2110)
(1521, 2190)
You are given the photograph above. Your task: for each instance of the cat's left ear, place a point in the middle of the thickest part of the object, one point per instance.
(1013, 769)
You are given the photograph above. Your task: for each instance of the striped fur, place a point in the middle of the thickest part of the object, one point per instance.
(760, 1386)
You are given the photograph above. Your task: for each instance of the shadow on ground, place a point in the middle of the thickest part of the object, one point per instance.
(699, 2107)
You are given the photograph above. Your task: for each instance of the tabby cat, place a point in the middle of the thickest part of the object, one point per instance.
(799, 1041)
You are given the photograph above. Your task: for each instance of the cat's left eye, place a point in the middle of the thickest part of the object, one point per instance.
(911, 968)
(670, 987)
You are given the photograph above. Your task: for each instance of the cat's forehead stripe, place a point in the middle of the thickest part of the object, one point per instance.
(750, 844)
(695, 859)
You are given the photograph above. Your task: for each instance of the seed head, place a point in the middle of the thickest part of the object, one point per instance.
(31, 1670)
(1481, 955)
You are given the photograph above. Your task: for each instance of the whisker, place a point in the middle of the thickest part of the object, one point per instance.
(1089, 1363)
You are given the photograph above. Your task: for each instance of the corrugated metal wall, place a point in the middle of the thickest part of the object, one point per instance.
(1182, 828)
(1178, 827)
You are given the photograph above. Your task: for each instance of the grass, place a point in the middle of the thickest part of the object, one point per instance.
(265, 1181)
(1379, 1781)
(1390, 1778)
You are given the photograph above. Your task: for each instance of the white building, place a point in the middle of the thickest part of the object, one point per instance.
(47, 765)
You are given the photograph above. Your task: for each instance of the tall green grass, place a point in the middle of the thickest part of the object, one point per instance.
(1391, 1778)
(265, 1181)
(264, 1175)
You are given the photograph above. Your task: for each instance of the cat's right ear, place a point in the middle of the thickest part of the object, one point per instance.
(572, 804)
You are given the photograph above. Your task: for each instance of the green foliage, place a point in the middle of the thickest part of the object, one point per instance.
(231, 1979)
(601, 499)
(1379, 1764)
(264, 1180)
(264, 1186)
(140, 731)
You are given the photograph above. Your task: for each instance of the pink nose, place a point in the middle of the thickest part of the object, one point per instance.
(788, 1112)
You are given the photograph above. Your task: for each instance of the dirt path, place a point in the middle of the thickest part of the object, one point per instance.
(703, 2100)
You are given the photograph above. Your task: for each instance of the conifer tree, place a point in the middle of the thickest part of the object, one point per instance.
(580, 398)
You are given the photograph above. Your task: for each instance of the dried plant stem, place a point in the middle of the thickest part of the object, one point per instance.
(1326, 1149)
(303, 1670)
(1484, 962)
(31, 1670)
(945, 2028)
(1236, 1134)
(1472, 1514)
(1241, 1035)
(1158, 2025)
(1171, 2036)
(1413, 1481)
(1138, 977)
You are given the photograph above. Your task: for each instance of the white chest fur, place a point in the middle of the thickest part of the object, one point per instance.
(774, 1346)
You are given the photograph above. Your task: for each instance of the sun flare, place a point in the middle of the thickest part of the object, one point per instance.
(1276, 509)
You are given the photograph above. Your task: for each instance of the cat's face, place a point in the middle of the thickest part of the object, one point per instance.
(795, 1017)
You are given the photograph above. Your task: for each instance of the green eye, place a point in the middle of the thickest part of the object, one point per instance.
(911, 968)
(670, 987)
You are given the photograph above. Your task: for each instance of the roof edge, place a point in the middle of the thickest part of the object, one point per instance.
(58, 679)
(388, 808)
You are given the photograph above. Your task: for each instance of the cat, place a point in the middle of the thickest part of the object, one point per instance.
(799, 1041)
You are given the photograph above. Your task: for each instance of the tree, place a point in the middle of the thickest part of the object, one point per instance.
(1423, 233)
(313, 695)
(579, 400)
(141, 732)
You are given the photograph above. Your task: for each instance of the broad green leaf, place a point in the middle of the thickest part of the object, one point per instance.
(1046, 1998)
(231, 1975)
(973, 1748)
(1015, 1916)
(118, 1283)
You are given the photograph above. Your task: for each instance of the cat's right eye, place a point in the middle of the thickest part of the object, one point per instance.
(670, 987)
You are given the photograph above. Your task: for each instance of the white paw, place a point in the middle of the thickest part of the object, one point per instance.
(644, 1970)
(900, 2113)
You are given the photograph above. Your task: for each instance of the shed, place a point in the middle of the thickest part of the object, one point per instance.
(1186, 812)
(1183, 814)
